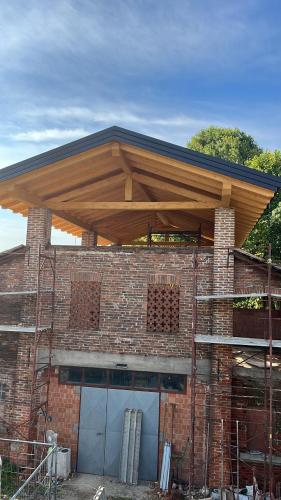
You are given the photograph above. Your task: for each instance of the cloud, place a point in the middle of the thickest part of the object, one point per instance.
(49, 135)
(121, 114)
(131, 35)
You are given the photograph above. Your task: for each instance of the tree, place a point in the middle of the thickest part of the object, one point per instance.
(268, 228)
(237, 146)
(227, 143)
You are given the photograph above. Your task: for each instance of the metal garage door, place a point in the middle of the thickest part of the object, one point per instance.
(100, 433)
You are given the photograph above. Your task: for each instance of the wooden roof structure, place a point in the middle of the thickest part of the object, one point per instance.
(117, 182)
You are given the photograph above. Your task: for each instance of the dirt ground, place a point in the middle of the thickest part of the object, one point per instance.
(84, 486)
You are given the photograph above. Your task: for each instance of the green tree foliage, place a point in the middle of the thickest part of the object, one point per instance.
(268, 228)
(227, 143)
(237, 146)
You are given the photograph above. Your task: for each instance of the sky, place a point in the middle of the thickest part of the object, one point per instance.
(166, 68)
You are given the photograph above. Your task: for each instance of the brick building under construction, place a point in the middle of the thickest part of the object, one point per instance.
(147, 313)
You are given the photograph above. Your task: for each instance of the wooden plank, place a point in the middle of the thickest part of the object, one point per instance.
(208, 186)
(226, 194)
(129, 187)
(172, 188)
(92, 186)
(117, 153)
(242, 341)
(76, 160)
(164, 219)
(33, 200)
(133, 205)
(188, 167)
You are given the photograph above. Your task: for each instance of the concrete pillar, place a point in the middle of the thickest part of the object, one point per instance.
(221, 364)
(89, 239)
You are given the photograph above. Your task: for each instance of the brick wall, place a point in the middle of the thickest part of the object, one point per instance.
(64, 408)
(174, 424)
(125, 276)
(220, 398)
(11, 279)
(88, 239)
(175, 420)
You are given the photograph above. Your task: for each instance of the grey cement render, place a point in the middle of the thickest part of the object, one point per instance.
(160, 364)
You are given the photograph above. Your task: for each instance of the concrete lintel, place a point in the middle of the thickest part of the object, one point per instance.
(163, 364)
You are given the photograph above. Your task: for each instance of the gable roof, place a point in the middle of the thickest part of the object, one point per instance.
(173, 151)
(164, 186)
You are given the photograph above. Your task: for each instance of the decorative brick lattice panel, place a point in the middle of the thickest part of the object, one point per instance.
(163, 308)
(85, 305)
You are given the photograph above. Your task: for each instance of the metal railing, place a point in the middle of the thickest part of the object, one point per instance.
(28, 470)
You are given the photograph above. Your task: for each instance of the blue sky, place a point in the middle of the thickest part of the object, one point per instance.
(165, 68)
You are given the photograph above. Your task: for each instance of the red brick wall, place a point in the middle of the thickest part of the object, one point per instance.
(64, 407)
(125, 275)
(88, 239)
(11, 279)
(250, 275)
(220, 397)
(174, 424)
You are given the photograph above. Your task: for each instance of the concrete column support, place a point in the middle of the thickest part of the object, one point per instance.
(89, 239)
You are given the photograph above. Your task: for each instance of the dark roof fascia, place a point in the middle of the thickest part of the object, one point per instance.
(145, 142)
(261, 263)
(13, 252)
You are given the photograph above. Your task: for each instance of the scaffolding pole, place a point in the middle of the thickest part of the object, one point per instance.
(241, 400)
(44, 308)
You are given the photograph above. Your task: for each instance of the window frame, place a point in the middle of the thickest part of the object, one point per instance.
(132, 387)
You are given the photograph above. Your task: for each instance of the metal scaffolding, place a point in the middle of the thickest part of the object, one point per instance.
(234, 458)
(36, 318)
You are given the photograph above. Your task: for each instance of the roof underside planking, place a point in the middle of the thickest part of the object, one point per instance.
(117, 182)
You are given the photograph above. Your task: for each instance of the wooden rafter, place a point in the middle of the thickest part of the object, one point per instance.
(172, 188)
(117, 152)
(34, 201)
(92, 186)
